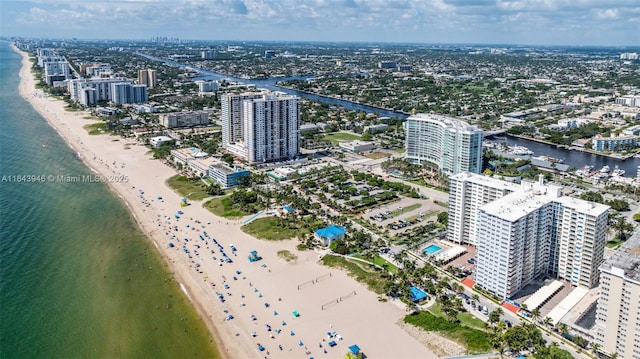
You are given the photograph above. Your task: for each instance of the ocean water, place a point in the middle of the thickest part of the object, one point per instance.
(77, 277)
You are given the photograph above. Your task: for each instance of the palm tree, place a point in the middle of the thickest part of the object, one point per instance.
(579, 341)
(548, 322)
(494, 316)
(476, 298)
(622, 227)
(563, 328)
(595, 347)
(535, 314)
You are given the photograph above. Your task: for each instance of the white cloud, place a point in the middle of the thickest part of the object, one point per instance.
(362, 20)
(607, 14)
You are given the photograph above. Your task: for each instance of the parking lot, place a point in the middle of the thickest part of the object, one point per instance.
(399, 216)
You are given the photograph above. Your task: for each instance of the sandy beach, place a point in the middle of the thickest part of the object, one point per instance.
(261, 296)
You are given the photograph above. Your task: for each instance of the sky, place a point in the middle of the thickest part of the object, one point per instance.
(526, 22)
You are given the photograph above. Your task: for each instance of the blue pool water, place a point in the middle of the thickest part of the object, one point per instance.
(432, 249)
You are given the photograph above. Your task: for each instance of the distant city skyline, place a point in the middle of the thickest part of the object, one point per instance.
(526, 22)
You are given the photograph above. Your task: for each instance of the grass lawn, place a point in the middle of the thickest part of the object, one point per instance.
(475, 341)
(361, 272)
(192, 189)
(614, 244)
(385, 264)
(376, 155)
(221, 207)
(267, 228)
(399, 150)
(465, 318)
(381, 262)
(338, 137)
(426, 215)
(406, 209)
(287, 256)
(96, 128)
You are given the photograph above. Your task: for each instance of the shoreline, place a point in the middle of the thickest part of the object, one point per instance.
(27, 82)
(274, 288)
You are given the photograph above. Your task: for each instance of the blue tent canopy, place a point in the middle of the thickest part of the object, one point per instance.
(417, 294)
(330, 232)
(354, 349)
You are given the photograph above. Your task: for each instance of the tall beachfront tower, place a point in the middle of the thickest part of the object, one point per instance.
(261, 126)
(467, 193)
(580, 235)
(452, 145)
(617, 328)
(535, 231)
(272, 128)
(233, 122)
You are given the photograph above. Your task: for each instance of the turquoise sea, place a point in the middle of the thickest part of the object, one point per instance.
(77, 277)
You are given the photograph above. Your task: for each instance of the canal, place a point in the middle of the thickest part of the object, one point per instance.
(574, 158)
(270, 84)
(571, 158)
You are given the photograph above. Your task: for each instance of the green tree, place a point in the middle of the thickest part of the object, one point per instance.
(517, 338)
(592, 196)
(619, 205)
(494, 316)
(228, 158)
(622, 227)
(535, 314)
(339, 246)
(215, 189)
(443, 218)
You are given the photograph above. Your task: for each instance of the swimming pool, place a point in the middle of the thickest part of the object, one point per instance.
(432, 249)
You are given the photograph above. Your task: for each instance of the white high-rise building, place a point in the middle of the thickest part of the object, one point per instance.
(261, 126)
(580, 236)
(272, 128)
(125, 92)
(232, 120)
(535, 231)
(617, 328)
(88, 97)
(452, 145)
(101, 85)
(207, 86)
(467, 193)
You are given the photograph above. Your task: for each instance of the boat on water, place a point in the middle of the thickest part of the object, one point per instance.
(618, 171)
(520, 151)
(584, 171)
(549, 159)
(605, 169)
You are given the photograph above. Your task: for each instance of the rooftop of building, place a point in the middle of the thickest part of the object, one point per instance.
(446, 121)
(626, 258)
(485, 181)
(516, 205)
(225, 168)
(533, 195)
(593, 208)
(331, 231)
